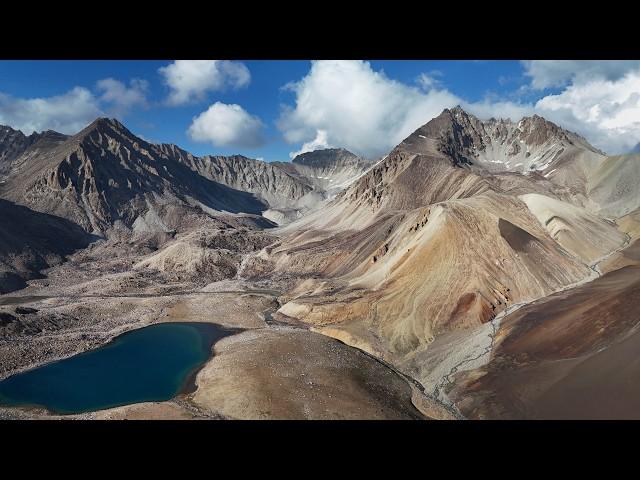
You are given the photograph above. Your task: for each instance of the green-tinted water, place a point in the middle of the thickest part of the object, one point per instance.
(150, 364)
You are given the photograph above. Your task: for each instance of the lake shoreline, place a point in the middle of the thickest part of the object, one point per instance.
(209, 333)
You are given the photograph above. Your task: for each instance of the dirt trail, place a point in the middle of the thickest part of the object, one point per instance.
(17, 300)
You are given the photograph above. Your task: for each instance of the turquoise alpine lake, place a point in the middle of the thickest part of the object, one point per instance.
(153, 363)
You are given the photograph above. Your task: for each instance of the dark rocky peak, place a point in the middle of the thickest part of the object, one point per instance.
(108, 123)
(48, 138)
(453, 132)
(12, 144)
(464, 138)
(6, 130)
(172, 151)
(108, 138)
(105, 126)
(536, 130)
(328, 157)
(9, 135)
(457, 112)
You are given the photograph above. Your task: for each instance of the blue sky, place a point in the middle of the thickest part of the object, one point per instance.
(272, 109)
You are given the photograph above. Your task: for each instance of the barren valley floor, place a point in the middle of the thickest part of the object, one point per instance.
(269, 370)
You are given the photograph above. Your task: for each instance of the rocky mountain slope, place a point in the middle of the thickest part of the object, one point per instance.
(569, 356)
(106, 175)
(445, 233)
(532, 144)
(612, 187)
(111, 183)
(32, 241)
(13, 143)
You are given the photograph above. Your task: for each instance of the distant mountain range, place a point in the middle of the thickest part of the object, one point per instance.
(105, 174)
(105, 178)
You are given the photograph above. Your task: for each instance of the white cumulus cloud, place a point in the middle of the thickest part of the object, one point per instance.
(499, 109)
(318, 143)
(348, 104)
(70, 112)
(429, 80)
(227, 125)
(556, 73)
(606, 112)
(67, 113)
(360, 109)
(121, 97)
(191, 80)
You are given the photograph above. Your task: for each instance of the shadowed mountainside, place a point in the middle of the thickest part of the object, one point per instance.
(32, 241)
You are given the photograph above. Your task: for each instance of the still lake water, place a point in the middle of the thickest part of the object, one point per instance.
(153, 363)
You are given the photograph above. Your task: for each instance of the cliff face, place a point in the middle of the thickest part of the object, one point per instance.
(12, 144)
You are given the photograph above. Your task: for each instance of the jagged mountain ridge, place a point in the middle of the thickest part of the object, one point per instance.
(330, 169)
(435, 163)
(13, 143)
(105, 174)
(533, 143)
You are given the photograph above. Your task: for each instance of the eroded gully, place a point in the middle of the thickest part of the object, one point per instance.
(438, 391)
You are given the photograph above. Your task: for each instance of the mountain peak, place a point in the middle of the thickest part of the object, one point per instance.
(8, 129)
(326, 156)
(47, 138)
(532, 143)
(105, 122)
(455, 112)
(104, 125)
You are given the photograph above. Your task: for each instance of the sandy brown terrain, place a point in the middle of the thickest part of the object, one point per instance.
(571, 355)
(307, 378)
(294, 374)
